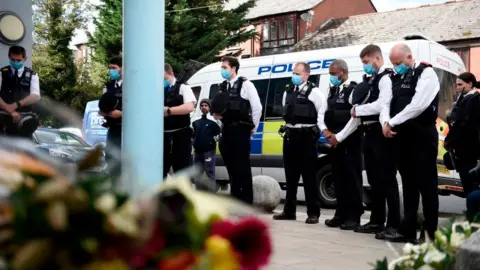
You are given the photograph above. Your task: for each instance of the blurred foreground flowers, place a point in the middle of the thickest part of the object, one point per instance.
(436, 254)
(50, 222)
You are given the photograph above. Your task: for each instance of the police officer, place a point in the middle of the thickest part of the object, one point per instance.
(410, 119)
(179, 103)
(369, 98)
(110, 105)
(302, 101)
(346, 158)
(238, 106)
(463, 138)
(19, 90)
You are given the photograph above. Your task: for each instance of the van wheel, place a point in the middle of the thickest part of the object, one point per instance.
(326, 186)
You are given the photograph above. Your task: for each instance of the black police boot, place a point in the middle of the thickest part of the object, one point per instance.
(398, 238)
(369, 228)
(283, 216)
(312, 220)
(349, 225)
(334, 222)
(381, 235)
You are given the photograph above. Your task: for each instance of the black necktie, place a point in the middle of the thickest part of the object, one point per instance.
(296, 88)
(16, 73)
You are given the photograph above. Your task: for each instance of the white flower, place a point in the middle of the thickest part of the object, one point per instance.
(10, 177)
(408, 248)
(434, 256)
(106, 203)
(426, 267)
(466, 226)
(456, 238)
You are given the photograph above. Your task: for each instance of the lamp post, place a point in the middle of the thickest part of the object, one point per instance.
(143, 49)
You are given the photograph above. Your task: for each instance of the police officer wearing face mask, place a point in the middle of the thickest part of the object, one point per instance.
(410, 119)
(19, 90)
(179, 103)
(369, 98)
(346, 158)
(110, 105)
(463, 138)
(238, 106)
(302, 102)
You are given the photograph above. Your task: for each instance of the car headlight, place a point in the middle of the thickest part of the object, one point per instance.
(57, 153)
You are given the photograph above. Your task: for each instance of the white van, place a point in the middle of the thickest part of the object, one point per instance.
(270, 74)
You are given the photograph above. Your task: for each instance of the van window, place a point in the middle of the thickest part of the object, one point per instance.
(275, 96)
(213, 91)
(446, 96)
(196, 91)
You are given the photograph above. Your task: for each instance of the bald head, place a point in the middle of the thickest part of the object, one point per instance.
(401, 54)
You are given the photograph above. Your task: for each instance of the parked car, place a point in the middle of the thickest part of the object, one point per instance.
(68, 147)
(73, 130)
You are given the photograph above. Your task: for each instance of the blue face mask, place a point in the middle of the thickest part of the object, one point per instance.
(296, 79)
(16, 65)
(166, 83)
(401, 69)
(114, 74)
(335, 81)
(225, 74)
(369, 69)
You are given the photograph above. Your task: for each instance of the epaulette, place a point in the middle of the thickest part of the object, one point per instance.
(6, 68)
(242, 78)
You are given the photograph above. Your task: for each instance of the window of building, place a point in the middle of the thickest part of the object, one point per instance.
(277, 33)
(447, 92)
(464, 53)
(275, 96)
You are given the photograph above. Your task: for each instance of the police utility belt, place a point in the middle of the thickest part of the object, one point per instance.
(27, 124)
(285, 130)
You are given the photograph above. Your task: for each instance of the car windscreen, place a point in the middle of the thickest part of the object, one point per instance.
(61, 138)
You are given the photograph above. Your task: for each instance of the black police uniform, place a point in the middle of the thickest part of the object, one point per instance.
(177, 138)
(112, 100)
(416, 148)
(463, 139)
(234, 143)
(14, 89)
(378, 159)
(299, 148)
(346, 158)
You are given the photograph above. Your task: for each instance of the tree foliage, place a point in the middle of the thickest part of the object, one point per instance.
(54, 24)
(192, 31)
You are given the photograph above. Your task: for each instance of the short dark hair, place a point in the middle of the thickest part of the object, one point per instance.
(116, 60)
(306, 67)
(17, 50)
(370, 50)
(168, 69)
(232, 61)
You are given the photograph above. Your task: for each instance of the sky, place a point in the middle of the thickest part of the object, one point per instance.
(381, 5)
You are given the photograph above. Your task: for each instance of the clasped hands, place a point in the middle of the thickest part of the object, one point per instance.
(331, 137)
(10, 108)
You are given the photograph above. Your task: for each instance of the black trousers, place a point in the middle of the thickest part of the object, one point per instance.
(177, 150)
(346, 160)
(234, 147)
(416, 148)
(463, 167)
(114, 140)
(381, 174)
(9, 128)
(299, 158)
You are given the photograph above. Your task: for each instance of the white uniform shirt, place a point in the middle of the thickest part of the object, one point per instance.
(385, 95)
(249, 92)
(320, 102)
(427, 89)
(34, 83)
(352, 124)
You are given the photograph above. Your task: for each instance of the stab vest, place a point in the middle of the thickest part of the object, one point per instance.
(174, 99)
(113, 90)
(403, 90)
(238, 109)
(298, 108)
(16, 88)
(339, 109)
(368, 92)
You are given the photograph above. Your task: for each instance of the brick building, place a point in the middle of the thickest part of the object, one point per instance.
(280, 26)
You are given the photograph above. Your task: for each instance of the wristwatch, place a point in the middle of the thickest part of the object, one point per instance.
(18, 104)
(169, 112)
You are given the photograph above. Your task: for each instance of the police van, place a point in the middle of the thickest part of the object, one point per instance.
(92, 129)
(270, 74)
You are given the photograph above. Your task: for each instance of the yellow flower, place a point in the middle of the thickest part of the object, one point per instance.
(221, 254)
(107, 265)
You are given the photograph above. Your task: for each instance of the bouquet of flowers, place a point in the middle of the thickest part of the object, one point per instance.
(436, 254)
(48, 221)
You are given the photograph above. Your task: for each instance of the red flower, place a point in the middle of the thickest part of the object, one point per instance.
(250, 239)
(153, 246)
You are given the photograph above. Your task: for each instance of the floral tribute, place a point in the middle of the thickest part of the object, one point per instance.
(436, 254)
(50, 222)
